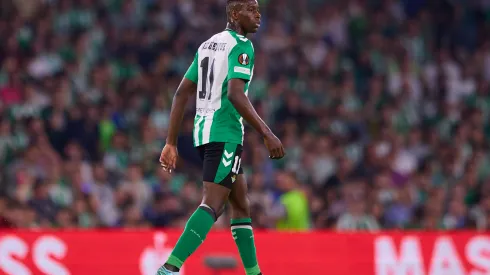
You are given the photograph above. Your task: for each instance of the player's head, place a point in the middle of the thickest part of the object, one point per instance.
(244, 14)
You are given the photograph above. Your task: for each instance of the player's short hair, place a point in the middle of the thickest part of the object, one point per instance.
(232, 4)
(235, 1)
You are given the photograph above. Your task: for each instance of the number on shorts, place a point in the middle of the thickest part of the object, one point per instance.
(236, 165)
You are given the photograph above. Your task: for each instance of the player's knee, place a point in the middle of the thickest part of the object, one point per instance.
(211, 210)
(242, 209)
(221, 211)
(215, 197)
(216, 206)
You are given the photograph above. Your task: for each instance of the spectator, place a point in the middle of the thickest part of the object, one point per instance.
(4, 221)
(135, 188)
(356, 216)
(103, 197)
(293, 211)
(45, 208)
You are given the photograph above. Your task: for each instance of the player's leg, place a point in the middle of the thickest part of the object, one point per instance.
(198, 225)
(217, 176)
(241, 226)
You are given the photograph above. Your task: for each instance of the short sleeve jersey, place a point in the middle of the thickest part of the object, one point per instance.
(226, 55)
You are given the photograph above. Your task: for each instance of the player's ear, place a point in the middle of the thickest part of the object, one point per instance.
(234, 15)
(234, 11)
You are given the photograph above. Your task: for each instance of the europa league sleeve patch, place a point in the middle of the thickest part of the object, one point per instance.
(243, 59)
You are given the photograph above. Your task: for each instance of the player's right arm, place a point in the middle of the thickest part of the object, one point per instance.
(186, 90)
(239, 74)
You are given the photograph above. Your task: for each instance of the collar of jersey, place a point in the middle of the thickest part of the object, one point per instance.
(236, 33)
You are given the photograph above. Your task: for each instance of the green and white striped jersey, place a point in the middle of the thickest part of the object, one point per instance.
(224, 56)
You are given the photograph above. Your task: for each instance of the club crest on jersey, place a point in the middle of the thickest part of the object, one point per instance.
(243, 59)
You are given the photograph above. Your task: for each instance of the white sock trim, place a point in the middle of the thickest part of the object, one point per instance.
(173, 273)
(233, 227)
(207, 206)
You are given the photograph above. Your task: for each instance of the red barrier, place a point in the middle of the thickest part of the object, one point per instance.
(142, 252)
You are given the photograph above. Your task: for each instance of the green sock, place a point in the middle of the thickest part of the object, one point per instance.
(242, 232)
(195, 232)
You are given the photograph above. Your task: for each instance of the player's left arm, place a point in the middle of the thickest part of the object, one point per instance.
(240, 66)
(186, 90)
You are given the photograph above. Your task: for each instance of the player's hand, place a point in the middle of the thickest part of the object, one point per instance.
(168, 158)
(274, 145)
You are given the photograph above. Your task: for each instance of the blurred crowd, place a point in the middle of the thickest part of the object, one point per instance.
(383, 107)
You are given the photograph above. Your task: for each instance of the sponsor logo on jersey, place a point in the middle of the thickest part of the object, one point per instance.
(241, 70)
(205, 111)
(243, 59)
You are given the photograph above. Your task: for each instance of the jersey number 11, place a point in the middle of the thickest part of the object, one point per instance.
(204, 79)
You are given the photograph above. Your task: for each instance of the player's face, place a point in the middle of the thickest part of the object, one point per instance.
(249, 16)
